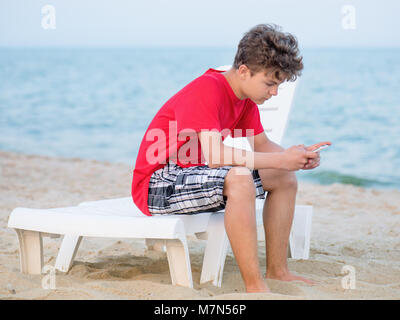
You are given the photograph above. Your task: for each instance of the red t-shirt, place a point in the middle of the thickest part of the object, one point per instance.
(206, 103)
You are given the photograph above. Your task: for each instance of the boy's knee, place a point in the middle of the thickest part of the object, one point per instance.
(290, 181)
(239, 182)
(273, 180)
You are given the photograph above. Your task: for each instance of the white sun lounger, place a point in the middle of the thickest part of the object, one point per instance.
(120, 218)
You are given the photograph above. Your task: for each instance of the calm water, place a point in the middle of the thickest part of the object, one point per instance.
(97, 103)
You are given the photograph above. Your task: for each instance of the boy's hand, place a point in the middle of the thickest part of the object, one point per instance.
(314, 162)
(296, 157)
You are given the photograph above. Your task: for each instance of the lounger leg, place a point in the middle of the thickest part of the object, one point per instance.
(31, 251)
(67, 252)
(155, 244)
(179, 262)
(150, 243)
(300, 234)
(215, 252)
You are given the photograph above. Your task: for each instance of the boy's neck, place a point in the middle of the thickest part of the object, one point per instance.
(232, 77)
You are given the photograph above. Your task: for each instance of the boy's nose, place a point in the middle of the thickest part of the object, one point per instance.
(274, 92)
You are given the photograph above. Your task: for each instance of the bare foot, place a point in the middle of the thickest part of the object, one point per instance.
(289, 277)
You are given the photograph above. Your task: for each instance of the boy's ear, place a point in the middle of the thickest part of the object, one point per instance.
(244, 71)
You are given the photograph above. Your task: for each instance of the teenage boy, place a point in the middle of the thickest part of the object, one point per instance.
(184, 168)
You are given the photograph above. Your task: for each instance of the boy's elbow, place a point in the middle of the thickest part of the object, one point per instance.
(213, 165)
(212, 148)
(216, 160)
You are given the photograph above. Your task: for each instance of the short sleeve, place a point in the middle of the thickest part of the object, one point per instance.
(249, 123)
(198, 106)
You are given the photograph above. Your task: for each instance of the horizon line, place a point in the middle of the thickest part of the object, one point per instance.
(183, 47)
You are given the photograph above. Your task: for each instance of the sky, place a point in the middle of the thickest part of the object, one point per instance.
(123, 23)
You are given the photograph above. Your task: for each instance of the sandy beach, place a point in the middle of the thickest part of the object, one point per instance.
(352, 226)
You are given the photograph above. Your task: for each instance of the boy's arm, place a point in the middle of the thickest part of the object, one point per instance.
(217, 155)
(261, 143)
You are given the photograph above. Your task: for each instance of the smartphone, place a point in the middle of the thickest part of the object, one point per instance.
(321, 147)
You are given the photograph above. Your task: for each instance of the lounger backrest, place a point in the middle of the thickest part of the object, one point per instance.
(274, 115)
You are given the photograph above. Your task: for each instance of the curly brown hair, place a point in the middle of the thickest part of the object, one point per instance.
(265, 47)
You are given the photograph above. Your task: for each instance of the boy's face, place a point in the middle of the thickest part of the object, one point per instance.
(259, 87)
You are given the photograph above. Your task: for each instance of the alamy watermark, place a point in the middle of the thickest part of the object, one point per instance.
(184, 146)
(348, 17)
(49, 280)
(49, 17)
(349, 279)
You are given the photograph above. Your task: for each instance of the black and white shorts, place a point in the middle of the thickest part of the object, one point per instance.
(177, 190)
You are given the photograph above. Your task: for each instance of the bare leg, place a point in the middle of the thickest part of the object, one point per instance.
(278, 217)
(241, 228)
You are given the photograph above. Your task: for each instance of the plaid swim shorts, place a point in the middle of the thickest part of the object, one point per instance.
(177, 190)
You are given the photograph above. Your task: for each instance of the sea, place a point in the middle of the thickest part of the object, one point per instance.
(96, 103)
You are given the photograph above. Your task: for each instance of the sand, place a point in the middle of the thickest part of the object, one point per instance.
(352, 226)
